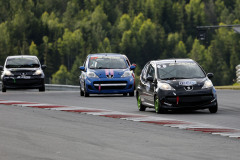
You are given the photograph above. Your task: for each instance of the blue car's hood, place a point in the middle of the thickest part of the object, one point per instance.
(105, 73)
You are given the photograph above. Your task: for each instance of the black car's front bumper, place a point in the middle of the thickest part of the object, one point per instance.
(33, 82)
(192, 100)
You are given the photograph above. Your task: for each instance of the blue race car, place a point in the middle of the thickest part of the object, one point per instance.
(107, 73)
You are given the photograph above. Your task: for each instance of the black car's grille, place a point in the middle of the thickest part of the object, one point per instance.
(190, 100)
(23, 82)
(109, 85)
(23, 72)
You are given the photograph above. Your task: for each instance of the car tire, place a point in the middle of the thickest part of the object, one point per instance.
(131, 94)
(3, 88)
(158, 106)
(124, 94)
(86, 94)
(141, 107)
(214, 109)
(81, 92)
(42, 89)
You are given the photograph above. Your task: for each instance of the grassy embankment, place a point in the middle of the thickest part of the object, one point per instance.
(234, 86)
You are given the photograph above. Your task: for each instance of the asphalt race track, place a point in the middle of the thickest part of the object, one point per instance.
(56, 125)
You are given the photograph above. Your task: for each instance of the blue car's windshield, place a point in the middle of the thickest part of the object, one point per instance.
(107, 62)
(185, 70)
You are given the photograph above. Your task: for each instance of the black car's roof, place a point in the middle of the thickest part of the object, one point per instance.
(176, 60)
(21, 56)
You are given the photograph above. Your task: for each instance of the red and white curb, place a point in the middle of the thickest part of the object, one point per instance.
(204, 128)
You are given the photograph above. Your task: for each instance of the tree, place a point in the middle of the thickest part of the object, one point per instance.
(61, 76)
(33, 49)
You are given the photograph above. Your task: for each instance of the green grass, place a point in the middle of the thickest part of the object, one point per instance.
(234, 86)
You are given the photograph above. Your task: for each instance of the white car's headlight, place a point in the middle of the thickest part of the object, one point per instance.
(165, 86)
(207, 84)
(8, 73)
(38, 72)
(92, 75)
(127, 74)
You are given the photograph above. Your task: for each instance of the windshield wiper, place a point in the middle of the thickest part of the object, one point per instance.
(171, 78)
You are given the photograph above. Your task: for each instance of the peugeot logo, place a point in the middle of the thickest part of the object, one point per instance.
(188, 88)
(109, 76)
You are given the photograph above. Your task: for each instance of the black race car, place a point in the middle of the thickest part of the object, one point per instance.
(22, 72)
(173, 84)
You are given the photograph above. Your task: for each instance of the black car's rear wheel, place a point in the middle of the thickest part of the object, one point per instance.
(214, 109)
(158, 106)
(141, 107)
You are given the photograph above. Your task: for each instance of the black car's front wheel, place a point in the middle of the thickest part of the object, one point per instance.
(141, 107)
(214, 109)
(3, 88)
(42, 89)
(158, 106)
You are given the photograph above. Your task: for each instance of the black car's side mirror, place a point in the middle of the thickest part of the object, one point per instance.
(210, 75)
(1, 68)
(44, 66)
(150, 79)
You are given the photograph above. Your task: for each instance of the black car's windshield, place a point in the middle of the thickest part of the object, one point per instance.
(179, 70)
(22, 62)
(109, 62)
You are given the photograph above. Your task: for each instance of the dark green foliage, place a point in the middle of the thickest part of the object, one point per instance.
(63, 32)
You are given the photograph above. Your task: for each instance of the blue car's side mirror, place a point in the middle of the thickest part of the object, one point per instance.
(132, 67)
(82, 68)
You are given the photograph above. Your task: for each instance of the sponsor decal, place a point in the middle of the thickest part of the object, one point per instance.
(187, 83)
(109, 73)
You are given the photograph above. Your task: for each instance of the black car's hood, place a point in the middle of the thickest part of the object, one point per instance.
(22, 69)
(180, 83)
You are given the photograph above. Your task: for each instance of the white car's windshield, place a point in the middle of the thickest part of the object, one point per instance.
(178, 70)
(107, 63)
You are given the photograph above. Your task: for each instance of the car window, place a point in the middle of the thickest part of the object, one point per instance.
(179, 70)
(107, 62)
(144, 72)
(151, 71)
(22, 62)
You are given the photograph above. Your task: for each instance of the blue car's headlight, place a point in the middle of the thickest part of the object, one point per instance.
(126, 74)
(92, 75)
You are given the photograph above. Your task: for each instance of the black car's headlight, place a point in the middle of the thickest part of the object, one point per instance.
(7, 73)
(207, 84)
(92, 75)
(165, 86)
(38, 72)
